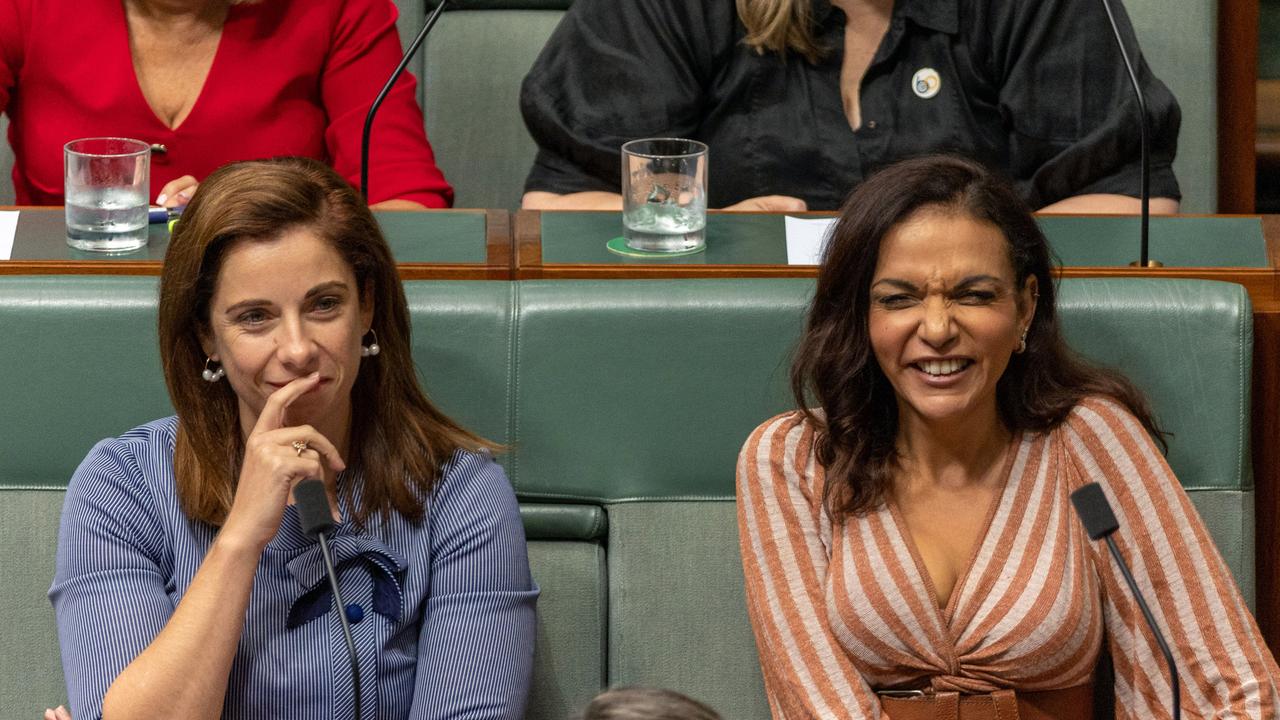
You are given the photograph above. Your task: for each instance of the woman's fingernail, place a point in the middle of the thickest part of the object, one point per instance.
(161, 198)
(184, 194)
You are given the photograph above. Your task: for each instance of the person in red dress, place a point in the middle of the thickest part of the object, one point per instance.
(207, 82)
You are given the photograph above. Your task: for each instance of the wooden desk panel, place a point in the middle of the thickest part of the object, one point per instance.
(428, 245)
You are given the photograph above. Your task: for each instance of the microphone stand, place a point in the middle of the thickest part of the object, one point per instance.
(1094, 511)
(386, 89)
(315, 519)
(1144, 128)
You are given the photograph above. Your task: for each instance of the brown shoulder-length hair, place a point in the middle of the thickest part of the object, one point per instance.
(392, 420)
(780, 26)
(834, 364)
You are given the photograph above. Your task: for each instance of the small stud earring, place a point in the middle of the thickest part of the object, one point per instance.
(212, 375)
(372, 348)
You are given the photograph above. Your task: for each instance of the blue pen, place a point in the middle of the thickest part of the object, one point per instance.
(163, 215)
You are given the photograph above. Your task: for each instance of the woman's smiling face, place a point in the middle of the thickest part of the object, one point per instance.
(282, 309)
(946, 314)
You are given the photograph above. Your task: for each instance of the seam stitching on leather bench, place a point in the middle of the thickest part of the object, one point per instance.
(513, 379)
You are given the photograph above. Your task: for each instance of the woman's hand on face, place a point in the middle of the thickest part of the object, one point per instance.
(58, 713)
(770, 203)
(273, 465)
(177, 193)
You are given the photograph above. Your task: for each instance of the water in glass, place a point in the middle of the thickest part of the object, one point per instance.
(107, 219)
(665, 226)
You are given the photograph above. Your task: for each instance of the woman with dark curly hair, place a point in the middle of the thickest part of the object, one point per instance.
(909, 546)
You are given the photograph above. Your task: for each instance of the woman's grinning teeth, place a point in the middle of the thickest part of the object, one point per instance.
(938, 368)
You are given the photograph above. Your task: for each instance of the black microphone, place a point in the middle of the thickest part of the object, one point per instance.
(1144, 130)
(316, 518)
(377, 102)
(1099, 522)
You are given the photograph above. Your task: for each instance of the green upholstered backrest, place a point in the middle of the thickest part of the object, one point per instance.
(473, 63)
(1180, 42)
(644, 391)
(669, 376)
(462, 347)
(78, 363)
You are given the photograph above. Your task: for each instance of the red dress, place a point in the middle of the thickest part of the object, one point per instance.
(290, 77)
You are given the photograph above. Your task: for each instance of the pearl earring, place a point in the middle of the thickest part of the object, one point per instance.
(1022, 341)
(372, 348)
(212, 375)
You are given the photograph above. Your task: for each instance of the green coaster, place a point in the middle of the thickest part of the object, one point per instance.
(618, 246)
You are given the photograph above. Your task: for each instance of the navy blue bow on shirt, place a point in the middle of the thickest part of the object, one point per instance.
(384, 565)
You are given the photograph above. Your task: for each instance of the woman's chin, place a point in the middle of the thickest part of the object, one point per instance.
(944, 409)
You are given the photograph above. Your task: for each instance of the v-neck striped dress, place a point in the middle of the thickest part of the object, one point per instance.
(840, 609)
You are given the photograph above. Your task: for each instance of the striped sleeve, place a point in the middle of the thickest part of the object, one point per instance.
(475, 651)
(785, 540)
(109, 588)
(1225, 669)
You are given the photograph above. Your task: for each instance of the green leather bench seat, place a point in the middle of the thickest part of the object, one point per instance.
(622, 405)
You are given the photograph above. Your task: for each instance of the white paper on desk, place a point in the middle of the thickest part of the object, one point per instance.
(8, 226)
(806, 239)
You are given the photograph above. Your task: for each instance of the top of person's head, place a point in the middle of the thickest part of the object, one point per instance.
(835, 364)
(262, 201)
(640, 703)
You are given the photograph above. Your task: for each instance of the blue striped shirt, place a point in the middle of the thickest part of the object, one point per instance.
(445, 608)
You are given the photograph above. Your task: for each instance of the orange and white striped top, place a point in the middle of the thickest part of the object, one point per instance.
(840, 609)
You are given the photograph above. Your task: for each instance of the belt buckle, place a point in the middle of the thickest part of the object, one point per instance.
(901, 693)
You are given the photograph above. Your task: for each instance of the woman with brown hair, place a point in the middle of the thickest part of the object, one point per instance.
(800, 100)
(909, 546)
(184, 583)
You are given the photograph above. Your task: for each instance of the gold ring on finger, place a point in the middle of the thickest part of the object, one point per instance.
(299, 446)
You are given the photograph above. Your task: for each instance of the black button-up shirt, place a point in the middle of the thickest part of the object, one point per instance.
(1034, 87)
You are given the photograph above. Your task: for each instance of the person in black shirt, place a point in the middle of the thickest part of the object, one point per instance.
(799, 100)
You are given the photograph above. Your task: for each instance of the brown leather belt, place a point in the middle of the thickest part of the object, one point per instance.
(1075, 703)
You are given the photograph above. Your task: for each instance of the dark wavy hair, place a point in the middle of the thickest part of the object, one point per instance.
(392, 419)
(836, 368)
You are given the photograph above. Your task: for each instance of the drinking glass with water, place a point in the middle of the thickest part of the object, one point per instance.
(107, 181)
(664, 194)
